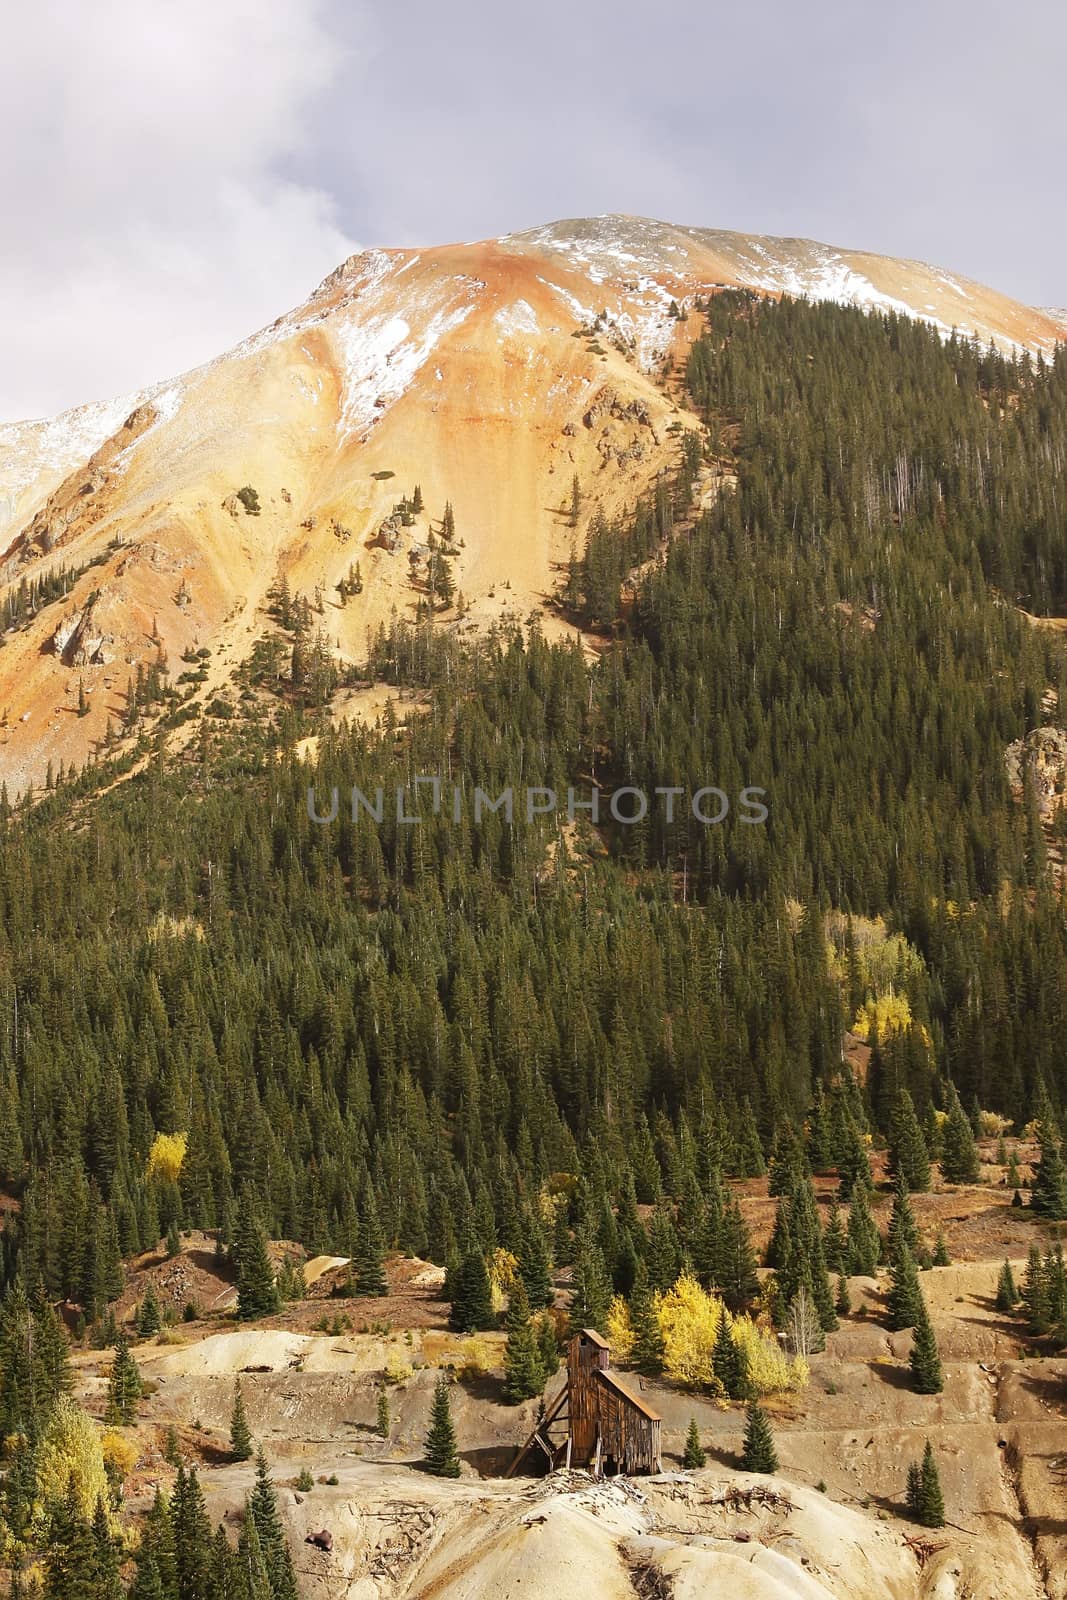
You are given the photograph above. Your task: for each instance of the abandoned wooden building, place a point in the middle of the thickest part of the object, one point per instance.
(597, 1420)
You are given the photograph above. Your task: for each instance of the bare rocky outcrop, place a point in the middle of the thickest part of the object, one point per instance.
(80, 640)
(1041, 757)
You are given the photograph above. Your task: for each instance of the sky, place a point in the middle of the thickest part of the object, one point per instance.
(174, 177)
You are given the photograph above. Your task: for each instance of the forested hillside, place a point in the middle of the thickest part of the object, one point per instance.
(389, 1035)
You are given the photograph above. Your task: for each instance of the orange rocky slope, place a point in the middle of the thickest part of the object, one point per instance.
(454, 367)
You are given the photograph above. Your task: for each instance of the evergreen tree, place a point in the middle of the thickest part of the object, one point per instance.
(926, 1372)
(728, 1362)
(959, 1153)
(124, 1387)
(523, 1374)
(257, 1292)
(843, 1300)
(370, 1252)
(908, 1158)
(192, 1536)
(472, 1300)
(1007, 1294)
(533, 1264)
(442, 1458)
(241, 1445)
(864, 1242)
(149, 1320)
(592, 1288)
(648, 1336)
(262, 1510)
(941, 1257)
(1049, 1196)
(930, 1502)
(759, 1454)
(905, 1295)
(695, 1455)
(382, 1420)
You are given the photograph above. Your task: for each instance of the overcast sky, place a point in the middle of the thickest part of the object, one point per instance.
(173, 177)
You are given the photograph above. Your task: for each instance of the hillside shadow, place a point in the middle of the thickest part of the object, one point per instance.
(893, 1377)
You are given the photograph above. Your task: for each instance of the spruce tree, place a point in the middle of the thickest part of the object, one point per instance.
(192, 1536)
(648, 1336)
(523, 1374)
(941, 1257)
(927, 1376)
(1007, 1294)
(759, 1454)
(908, 1156)
(902, 1225)
(959, 1153)
(533, 1264)
(370, 1252)
(843, 1300)
(1049, 1190)
(864, 1241)
(124, 1387)
(695, 1455)
(382, 1418)
(931, 1502)
(257, 1292)
(241, 1446)
(728, 1362)
(442, 1457)
(262, 1509)
(472, 1299)
(592, 1286)
(149, 1319)
(905, 1295)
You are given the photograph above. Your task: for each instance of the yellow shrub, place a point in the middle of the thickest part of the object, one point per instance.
(770, 1370)
(503, 1270)
(397, 1369)
(475, 1357)
(689, 1319)
(120, 1454)
(166, 1156)
(620, 1333)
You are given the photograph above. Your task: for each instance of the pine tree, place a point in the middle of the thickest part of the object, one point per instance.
(149, 1320)
(931, 1504)
(647, 1353)
(905, 1295)
(941, 1257)
(1007, 1294)
(370, 1252)
(523, 1374)
(759, 1454)
(902, 1225)
(192, 1536)
(263, 1511)
(442, 1458)
(533, 1264)
(843, 1300)
(1035, 1293)
(908, 1156)
(728, 1362)
(241, 1448)
(382, 1419)
(1049, 1196)
(695, 1454)
(864, 1241)
(959, 1153)
(257, 1292)
(124, 1387)
(927, 1376)
(913, 1491)
(592, 1288)
(472, 1299)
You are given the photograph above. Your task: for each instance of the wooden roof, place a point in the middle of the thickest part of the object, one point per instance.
(594, 1337)
(613, 1381)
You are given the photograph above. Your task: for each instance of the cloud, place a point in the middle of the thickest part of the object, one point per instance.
(148, 201)
(172, 178)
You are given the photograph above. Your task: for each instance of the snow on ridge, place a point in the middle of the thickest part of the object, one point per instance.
(380, 360)
(517, 318)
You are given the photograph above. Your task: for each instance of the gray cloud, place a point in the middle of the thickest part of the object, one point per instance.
(171, 181)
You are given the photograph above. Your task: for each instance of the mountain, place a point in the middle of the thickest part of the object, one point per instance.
(492, 374)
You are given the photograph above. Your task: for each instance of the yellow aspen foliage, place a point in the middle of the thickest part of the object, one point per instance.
(71, 1458)
(689, 1321)
(503, 1269)
(166, 1156)
(891, 1013)
(619, 1330)
(120, 1454)
(770, 1370)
